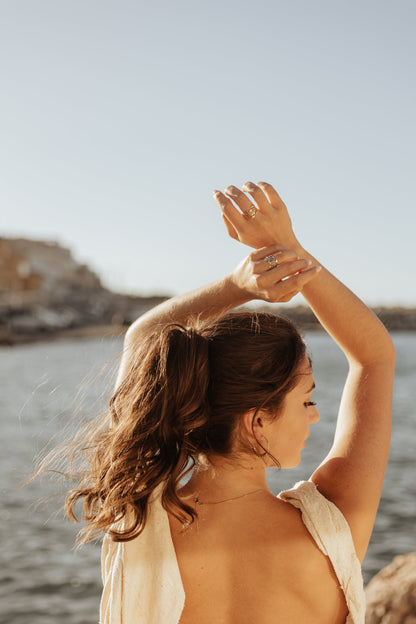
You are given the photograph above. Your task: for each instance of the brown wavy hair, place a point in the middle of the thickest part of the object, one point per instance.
(182, 398)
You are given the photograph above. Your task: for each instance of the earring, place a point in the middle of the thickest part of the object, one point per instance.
(266, 451)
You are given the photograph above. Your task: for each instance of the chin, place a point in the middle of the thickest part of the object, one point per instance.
(293, 463)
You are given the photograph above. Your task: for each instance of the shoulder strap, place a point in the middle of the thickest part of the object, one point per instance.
(332, 534)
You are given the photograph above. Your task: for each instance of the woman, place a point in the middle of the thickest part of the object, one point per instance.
(231, 395)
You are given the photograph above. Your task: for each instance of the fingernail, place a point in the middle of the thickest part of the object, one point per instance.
(318, 268)
(215, 192)
(231, 190)
(308, 261)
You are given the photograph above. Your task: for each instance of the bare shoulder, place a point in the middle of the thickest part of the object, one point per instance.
(305, 566)
(291, 540)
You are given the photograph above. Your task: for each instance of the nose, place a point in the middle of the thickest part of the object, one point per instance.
(315, 415)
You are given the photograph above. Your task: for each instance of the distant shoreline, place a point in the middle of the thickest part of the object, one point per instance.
(47, 295)
(395, 319)
(91, 331)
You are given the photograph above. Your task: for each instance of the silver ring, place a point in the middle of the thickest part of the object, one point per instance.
(272, 261)
(251, 212)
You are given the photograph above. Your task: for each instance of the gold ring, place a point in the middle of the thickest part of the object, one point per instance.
(251, 212)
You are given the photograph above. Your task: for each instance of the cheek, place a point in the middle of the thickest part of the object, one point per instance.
(289, 440)
(297, 424)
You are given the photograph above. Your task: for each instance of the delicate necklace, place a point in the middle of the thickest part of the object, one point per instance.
(226, 500)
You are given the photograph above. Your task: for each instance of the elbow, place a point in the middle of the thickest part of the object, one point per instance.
(138, 332)
(132, 339)
(129, 335)
(384, 356)
(387, 351)
(392, 351)
(135, 332)
(381, 346)
(377, 350)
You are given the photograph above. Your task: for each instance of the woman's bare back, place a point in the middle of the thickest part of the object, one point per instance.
(254, 561)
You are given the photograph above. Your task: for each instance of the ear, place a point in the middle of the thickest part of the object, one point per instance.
(257, 425)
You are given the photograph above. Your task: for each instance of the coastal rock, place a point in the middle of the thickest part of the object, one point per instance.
(44, 291)
(391, 594)
(42, 269)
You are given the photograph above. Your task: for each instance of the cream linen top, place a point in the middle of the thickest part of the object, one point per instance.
(142, 582)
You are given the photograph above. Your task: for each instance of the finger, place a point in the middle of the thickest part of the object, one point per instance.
(234, 216)
(258, 195)
(230, 228)
(271, 261)
(284, 271)
(295, 283)
(243, 202)
(272, 195)
(287, 289)
(276, 281)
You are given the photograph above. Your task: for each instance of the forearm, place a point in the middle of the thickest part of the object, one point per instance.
(251, 279)
(355, 328)
(209, 301)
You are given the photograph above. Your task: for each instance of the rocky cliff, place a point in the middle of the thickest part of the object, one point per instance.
(45, 291)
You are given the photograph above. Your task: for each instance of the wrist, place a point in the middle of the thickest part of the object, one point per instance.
(289, 241)
(303, 253)
(294, 244)
(236, 290)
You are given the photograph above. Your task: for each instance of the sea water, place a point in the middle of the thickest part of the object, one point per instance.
(47, 387)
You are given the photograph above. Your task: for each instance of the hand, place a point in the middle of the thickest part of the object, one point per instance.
(271, 222)
(273, 274)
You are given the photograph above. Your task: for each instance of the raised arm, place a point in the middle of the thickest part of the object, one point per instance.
(352, 473)
(252, 279)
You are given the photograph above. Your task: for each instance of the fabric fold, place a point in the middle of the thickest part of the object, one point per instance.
(141, 578)
(331, 532)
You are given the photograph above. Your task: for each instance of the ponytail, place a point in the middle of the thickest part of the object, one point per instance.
(158, 410)
(182, 411)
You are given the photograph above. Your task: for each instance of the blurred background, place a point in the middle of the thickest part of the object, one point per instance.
(118, 119)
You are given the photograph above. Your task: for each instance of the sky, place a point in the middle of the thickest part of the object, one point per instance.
(119, 118)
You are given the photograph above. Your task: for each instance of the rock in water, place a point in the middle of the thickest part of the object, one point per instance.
(391, 594)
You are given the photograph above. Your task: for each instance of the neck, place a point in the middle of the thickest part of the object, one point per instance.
(223, 478)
